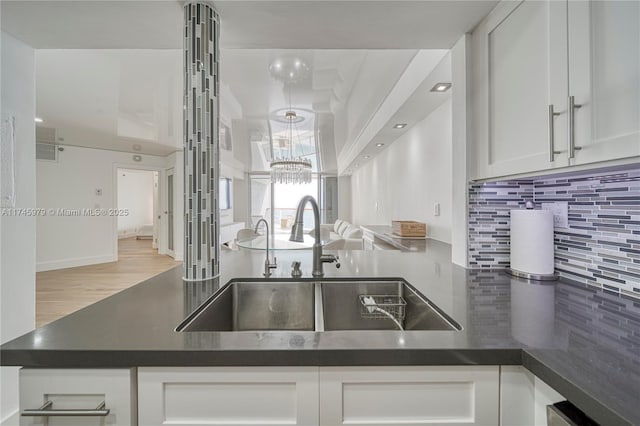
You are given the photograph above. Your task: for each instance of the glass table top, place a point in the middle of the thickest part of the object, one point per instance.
(279, 242)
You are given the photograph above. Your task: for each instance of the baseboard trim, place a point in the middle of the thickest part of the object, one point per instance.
(52, 265)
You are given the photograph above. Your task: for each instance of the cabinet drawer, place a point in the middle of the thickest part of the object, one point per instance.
(433, 395)
(79, 389)
(228, 395)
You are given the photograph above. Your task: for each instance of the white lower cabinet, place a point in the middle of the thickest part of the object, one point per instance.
(420, 395)
(228, 396)
(524, 397)
(396, 395)
(53, 390)
(433, 395)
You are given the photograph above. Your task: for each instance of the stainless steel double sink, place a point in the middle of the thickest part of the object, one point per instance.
(317, 305)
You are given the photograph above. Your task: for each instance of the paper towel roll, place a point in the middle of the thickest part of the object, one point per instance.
(532, 241)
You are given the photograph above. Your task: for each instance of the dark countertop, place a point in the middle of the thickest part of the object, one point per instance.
(582, 341)
(385, 233)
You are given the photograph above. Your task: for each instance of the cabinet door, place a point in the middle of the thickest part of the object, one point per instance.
(604, 78)
(433, 395)
(79, 389)
(519, 69)
(228, 395)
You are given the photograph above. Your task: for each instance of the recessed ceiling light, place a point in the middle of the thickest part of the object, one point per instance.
(441, 87)
(366, 157)
(400, 126)
(38, 120)
(379, 145)
(289, 70)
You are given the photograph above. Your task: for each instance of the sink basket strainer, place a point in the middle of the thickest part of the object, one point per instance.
(393, 305)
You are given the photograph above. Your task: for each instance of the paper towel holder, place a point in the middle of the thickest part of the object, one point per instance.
(534, 277)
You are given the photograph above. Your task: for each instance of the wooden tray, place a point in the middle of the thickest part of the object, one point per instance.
(409, 228)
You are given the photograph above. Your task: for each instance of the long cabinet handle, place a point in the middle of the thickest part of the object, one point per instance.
(572, 131)
(552, 150)
(47, 411)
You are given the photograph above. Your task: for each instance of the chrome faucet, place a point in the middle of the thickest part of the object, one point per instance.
(297, 234)
(268, 266)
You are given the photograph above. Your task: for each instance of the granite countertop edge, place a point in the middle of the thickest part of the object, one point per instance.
(591, 404)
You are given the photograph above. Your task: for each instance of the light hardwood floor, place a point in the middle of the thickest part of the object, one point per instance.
(61, 292)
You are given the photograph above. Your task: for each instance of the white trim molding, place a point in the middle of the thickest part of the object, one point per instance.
(74, 262)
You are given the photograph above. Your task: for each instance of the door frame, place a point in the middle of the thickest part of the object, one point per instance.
(164, 247)
(161, 202)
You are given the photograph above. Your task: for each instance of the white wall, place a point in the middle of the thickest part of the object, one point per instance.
(71, 183)
(241, 200)
(408, 178)
(344, 198)
(17, 234)
(135, 194)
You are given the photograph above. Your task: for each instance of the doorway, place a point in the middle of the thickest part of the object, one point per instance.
(137, 208)
(170, 211)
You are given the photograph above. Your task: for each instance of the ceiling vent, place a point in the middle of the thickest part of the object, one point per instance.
(46, 148)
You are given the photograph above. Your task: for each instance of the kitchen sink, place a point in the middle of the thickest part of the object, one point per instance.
(317, 305)
(398, 304)
(254, 306)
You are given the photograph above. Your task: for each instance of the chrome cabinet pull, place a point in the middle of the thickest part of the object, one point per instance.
(572, 137)
(552, 151)
(47, 411)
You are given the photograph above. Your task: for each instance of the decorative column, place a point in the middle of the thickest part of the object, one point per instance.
(201, 147)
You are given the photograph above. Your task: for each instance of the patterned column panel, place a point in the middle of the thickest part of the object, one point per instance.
(201, 148)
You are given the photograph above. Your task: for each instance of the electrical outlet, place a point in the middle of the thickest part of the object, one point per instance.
(560, 211)
(436, 209)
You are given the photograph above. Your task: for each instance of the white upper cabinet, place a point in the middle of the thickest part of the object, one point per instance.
(531, 59)
(604, 79)
(518, 74)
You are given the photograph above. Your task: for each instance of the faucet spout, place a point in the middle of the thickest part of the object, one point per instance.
(268, 266)
(297, 234)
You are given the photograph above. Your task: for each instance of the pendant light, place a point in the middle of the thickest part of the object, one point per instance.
(291, 168)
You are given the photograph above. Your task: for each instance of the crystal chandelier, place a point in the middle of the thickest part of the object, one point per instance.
(290, 169)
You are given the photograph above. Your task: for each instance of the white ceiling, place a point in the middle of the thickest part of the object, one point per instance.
(116, 98)
(409, 102)
(87, 24)
(338, 85)
(112, 99)
(299, 24)
(116, 81)
(330, 78)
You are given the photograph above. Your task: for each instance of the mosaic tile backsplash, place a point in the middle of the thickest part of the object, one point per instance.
(600, 247)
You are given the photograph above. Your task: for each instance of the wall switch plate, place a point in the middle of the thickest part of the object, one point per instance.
(436, 209)
(560, 211)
